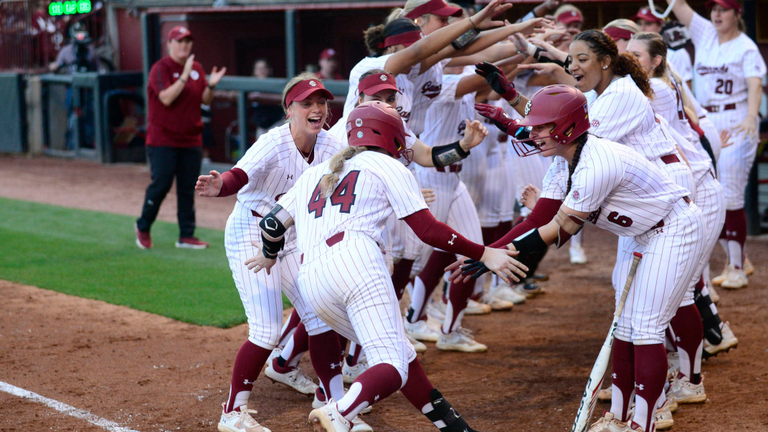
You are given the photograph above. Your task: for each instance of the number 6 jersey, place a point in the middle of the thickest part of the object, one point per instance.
(623, 192)
(371, 186)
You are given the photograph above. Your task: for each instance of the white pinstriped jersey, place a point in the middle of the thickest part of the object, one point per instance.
(680, 61)
(404, 84)
(623, 114)
(444, 122)
(668, 104)
(623, 192)
(426, 87)
(273, 164)
(721, 69)
(371, 187)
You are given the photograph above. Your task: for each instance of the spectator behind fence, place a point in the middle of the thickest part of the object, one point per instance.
(176, 89)
(329, 65)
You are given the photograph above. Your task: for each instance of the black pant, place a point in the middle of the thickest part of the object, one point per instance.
(165, 163)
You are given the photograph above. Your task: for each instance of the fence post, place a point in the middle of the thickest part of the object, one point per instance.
(290, 43)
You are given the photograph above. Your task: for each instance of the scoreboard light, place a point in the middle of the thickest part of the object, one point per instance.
(72, 7)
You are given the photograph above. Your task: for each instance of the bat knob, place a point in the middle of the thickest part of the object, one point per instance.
(637, 254)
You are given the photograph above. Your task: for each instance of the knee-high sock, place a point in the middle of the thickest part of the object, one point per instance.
(650, 377)
(288, 328)
(623, 383)
(458, 296)
(426, 282)
(355, 351)
(736, 227)
(401, 276)
(689, 341)
(297, 345)
(371, 386)
(325, 353)
(248, 363)
(418, 388)
(343, 345)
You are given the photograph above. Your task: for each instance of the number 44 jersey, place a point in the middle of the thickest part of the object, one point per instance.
(371, 186)
(623, 192)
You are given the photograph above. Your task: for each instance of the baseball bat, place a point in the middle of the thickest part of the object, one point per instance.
(595, 382)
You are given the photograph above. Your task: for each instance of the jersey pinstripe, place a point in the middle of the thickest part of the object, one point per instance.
(404, 84)
(427, 87)
(623, 192)
(372, 186)
(273, 164)
(623, 114)
(680, 61)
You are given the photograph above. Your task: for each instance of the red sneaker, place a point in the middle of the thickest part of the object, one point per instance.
(143, 240)
(191, 243)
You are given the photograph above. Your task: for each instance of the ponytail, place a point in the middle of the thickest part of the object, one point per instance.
(395, 14)
(374, 37)
(336, 164)
(580, 142)
(627, 64)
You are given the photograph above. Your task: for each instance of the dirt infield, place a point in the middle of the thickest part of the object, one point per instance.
(150, 373)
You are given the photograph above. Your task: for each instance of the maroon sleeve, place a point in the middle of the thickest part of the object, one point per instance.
(543, 213)
(159, 77)
(439, 235)
(233, 180)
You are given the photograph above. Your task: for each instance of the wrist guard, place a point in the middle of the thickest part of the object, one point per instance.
(448, 154)
(529, 242)
(273, 232)
(270, 248)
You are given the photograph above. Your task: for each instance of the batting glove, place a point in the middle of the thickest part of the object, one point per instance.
(497, 80)
(498, 117)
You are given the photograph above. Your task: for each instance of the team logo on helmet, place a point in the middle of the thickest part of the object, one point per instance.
(528, 107)
(359, 134)
(359, 122)
(313, 84)
(383, 77)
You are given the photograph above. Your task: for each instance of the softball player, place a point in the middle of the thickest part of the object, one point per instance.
(617, 189)
(266, 172)
(728, 74)
(344, 276)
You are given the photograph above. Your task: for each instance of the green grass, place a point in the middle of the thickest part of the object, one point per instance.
(93, 255)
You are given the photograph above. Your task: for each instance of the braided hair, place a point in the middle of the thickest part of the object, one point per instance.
(621, 64)
(580, 141)
(336, 164)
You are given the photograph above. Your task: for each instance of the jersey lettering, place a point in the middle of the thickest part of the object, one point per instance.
(344, 195)
(618, 219)
(724, 87)
(594, 216)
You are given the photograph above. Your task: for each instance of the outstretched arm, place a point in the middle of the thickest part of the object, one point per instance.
(683, 11)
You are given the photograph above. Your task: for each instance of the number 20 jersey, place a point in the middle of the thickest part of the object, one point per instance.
(623, 192)
(371, 187)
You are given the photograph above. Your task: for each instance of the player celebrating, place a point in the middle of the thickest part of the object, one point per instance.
(728, 75)
(267, 171)
(344, 275)
(616, 188)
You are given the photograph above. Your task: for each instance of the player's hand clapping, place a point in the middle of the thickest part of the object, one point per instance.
(483, 20)
(497, 115)
(259, 262)
(187, 67)
(530, 196)
(209, 185)
(216, 75)
(499, 261)
(497, 80)
(474, 133)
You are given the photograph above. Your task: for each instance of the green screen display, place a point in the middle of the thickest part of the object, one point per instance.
(69, 7)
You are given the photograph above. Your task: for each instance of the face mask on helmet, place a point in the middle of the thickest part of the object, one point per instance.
(524, 145)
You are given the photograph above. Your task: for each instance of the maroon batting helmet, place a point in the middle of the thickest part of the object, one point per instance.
(376, 124)
(563, 105)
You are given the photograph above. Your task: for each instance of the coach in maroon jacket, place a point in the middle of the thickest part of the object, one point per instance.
(176, 88)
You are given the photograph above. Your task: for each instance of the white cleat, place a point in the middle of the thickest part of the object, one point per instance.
(350, 373)
(687, 393)
(417, 346)
(496, 304)
(358, 425)
(421, 330)
(239, 421)
(728, 342)
(578, 256)
(673, 365)
(717, 280)
(663, 417)
(749, 268)
(274, 354)
(528, 289)
(505, 292)
(460, 340)
(436, 310)
(606, 394)
(477, 308)
(607, 423)
(735, 279)
(328, 419)
(295, 379)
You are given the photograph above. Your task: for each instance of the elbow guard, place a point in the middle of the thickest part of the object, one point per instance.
(445, 155)
(567, 226)
(273, 232)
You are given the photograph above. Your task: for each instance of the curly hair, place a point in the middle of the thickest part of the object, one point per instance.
(622, 65)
